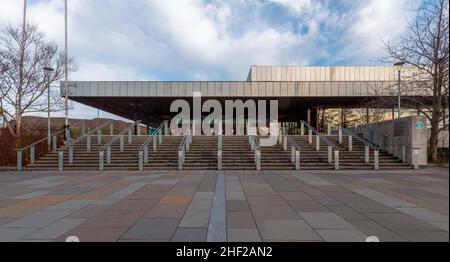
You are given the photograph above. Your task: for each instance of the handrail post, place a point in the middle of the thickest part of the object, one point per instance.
(376, 165)
(83, 129)
(141, 161)
(330, 156)
(329, 129)
(309, 135)
(60, 160)
(99, 136)
(49, 142)
(336, 159)
(32, 155)
(101, 158)
(138, 128)
(292, 154)
(317, 142)
(340, 135)
(350, 143)
(146, 154)
(366, 154)
(297, 159)
(219, 159)
(258, 159)
(19, 160)
(166, 128)
(88, 143)
(108, 155)
(67, 134)
(155, 143)
(403, 154)
(121, 143)
(160, 138)
(415, 158)
(302, 128)
(129, 135)
(54, 142)
(111, 129)
(284, 143)
(71, 154)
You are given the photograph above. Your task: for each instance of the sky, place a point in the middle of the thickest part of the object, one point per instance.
(211, 39)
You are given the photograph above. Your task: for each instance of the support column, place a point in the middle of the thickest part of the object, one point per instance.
(308, 116)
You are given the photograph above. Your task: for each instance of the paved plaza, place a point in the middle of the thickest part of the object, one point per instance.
(407, 205)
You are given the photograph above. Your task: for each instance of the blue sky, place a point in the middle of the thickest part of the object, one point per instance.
(212, 39)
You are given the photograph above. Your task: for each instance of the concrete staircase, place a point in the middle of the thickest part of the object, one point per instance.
(237, 154)
(202, 154)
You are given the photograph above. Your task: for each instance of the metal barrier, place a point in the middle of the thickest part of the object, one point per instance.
(367, 147)
(52, 144)
(390, 144)
(184, 147)
(107, 146)
(143, 149)
(254, 144)
(330, 144)
(286, 139)
(69, 146)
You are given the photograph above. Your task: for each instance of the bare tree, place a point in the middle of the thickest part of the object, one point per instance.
(23, 85)
(425, 48)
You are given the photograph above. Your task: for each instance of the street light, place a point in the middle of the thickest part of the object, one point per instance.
(399, 66)
(47, 73)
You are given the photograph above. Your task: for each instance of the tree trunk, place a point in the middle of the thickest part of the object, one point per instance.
(18, 132)
(434, 136)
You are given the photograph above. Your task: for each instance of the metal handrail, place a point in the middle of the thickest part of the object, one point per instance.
(73, 142)
(149, 139)
(389, 137)
(326, 140)
(117, 137)
(184, 146)
(295, 149)
(360, 139)
(288, 137)
(45, 138)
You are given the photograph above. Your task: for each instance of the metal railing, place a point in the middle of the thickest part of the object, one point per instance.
(143, 149)
(70, 145)
(107, 146)
(52, 144)
(392, 145)
(331, 146)
(367, 147)
(286, 139)
(256, 148)
(184, 147)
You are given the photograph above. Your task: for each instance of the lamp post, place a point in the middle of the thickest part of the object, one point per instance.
(47, 73)
(399, 66)
(66, 69)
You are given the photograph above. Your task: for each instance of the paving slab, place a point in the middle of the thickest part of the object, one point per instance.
(294, 230)
(152, 229)
(342, 235)
(56, 229)
(190, 235)
(325, 220)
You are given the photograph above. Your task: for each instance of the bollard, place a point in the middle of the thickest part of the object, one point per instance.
(340, 135)
(154, 143)
(376, 165)
(108, 155)
(129, 135)
(336, 159)
(330, 156)
(146, 154)
(141, 161)
(366, 154)
(61, 160)
(121, 143)
(403, 154)
(19, 160)
(284, 143)
(310, 136)
(32, 155)
(70, 154)
(180, 156)
(350, 143)
(258, 160)
(317, 142)
(100, 160)
(88, 143)
(297, 159)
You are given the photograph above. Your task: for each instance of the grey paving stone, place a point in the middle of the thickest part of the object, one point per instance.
(203, 195)
(164, 182)
(400, 222)
(235, 195)
(307, 206)
(71, 205)
(200, 205)
(56, 229)
(286, 230)
(74, 190)
(190, 235)
(424, 214)
(14, 234)
(371, 228)
(38, 219)
(342, 235)
(32, 195)
(243, 235)
(420, 236)
(217, 228)
(122, 193)
(152, 229)
(328, 201)
(48, 185)
(313, 180)
(36, 181)
(325, 220)
(5, 221)
(195, 219)
(441, 225)
(237, 205)
(88, 211)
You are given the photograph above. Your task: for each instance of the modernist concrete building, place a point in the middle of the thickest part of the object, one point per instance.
(300, 91)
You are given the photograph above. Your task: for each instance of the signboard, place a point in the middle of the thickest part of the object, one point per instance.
(420, 125)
